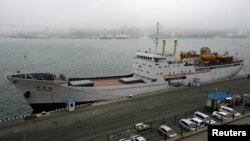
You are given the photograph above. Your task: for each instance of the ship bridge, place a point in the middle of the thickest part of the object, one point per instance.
(150, 56)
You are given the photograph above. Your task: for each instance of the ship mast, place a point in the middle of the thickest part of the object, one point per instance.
(157, 37)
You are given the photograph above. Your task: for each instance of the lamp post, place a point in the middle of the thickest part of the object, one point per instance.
(216, 105)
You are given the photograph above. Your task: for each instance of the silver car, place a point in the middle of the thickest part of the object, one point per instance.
(165, 130)
(205, 118)
(221, 115)
(138, 138)
(188, 125)
(197, 121)
(229, 110)
(124, 140)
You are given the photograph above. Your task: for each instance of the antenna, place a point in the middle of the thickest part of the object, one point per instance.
(157, 37)
(163, 46)
(26, 58)
(175, 45)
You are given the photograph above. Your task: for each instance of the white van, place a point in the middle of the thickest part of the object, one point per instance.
(205, 118)
(197, 121)
(165, 130)
(229, 110)
(188, 125)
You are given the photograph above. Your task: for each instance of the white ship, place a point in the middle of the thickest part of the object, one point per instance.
(150, 72)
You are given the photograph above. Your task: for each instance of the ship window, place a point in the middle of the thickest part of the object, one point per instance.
(156, 59)
(165, 66)
(159, 66)
(178, 65)
(150, 65)
(50, 88)
(44, 88)
(37, 87)
(156, 64)
(147, 71)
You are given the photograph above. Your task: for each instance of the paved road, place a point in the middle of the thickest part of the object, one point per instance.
(95, 121)
(203, 136)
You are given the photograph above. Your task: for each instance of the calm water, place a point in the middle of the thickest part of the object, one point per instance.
(83, 57)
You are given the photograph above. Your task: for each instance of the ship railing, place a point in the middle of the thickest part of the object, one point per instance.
(59, 81)
(224, 66)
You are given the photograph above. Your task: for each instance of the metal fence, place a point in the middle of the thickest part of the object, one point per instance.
(152, 134)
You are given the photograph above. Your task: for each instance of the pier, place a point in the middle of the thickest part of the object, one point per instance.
(101, 121)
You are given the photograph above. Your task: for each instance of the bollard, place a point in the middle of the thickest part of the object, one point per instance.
(24, 136)
(174, 119)
(181, 131)
(151, 126)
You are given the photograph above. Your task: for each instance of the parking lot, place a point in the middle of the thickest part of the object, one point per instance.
(152, 133)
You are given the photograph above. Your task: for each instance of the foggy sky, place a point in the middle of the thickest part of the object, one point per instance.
(109, 14)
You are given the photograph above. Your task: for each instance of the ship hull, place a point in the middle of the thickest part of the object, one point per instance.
(52, 95)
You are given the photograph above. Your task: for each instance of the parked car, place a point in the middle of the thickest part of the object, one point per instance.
(205, 118)
(221, 115)
(167, 131)
(229, 110)
(197, 121)
(138, 138)
(124, 139)
(188, 125)
(141, 126)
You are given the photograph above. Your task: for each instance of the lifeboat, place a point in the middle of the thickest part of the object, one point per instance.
(186, 54)
(205, 50)
(207, 57)
(224, 58)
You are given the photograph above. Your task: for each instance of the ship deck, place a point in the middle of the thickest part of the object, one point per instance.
(110, 82)
(107, 82)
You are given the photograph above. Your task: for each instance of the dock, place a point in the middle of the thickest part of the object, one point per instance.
(101, 121)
